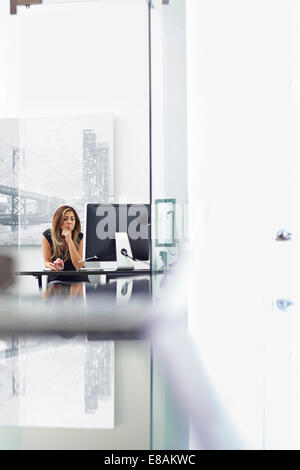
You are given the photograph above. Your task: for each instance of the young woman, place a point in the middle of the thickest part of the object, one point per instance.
(63, 245)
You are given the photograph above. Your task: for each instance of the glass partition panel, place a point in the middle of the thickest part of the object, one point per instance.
(9, 129)
(74, 130)
(170, 425)
(169, 157)
(10, 436)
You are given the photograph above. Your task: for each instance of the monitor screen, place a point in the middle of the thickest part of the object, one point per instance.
(102, 221)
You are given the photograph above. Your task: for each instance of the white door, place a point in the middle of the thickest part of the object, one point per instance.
(244, 181)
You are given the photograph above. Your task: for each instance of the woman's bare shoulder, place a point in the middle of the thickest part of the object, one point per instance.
(47, 235)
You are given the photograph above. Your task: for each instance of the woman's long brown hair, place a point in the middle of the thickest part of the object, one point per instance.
(57, 240)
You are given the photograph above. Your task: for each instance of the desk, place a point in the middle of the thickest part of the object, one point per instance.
(39, 274)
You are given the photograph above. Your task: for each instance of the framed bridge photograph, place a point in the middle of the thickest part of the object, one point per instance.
(46, 162)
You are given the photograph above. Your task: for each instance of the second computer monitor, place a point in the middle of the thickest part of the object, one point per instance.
(103, 221)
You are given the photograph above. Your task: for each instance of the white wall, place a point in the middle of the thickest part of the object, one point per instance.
(8, 62)
(92, 58)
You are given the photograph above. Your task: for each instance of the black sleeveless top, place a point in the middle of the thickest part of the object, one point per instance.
(68, 265)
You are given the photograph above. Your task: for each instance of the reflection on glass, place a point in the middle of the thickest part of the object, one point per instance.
(57, 382)
(121, 290)
(58, 291)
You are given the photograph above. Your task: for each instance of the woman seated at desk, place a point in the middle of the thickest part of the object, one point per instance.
(63, 246)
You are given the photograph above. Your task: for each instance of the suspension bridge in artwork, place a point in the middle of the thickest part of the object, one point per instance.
(16, 211)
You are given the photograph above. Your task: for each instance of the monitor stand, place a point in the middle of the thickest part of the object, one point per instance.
(124, 263)
(92, 266)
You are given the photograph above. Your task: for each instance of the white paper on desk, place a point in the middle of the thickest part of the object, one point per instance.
(58, 383)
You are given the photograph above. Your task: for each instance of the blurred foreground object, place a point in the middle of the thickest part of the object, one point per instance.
(6, 272)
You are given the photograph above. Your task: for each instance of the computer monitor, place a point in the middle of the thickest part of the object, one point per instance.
(104, 221)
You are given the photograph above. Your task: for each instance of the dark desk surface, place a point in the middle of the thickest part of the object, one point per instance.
(116, 272)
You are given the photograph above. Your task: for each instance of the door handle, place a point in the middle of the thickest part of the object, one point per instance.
(284, 304)
(283, 235)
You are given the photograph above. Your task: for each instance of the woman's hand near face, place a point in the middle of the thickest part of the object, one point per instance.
(67, 234)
